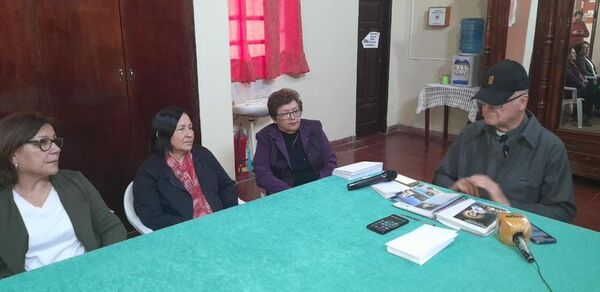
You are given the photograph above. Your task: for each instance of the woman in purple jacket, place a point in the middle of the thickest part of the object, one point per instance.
(291, 151)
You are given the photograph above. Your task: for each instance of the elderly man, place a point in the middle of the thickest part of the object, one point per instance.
(509, 157)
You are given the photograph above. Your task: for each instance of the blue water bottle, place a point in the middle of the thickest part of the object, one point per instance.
(471, 35)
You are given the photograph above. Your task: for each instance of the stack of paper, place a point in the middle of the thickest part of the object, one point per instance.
(358, 170)
(389, 189)
(422, 243)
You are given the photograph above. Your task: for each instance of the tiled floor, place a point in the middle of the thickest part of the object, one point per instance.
(406, 154)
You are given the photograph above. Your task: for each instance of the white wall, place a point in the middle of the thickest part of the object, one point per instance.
(421, 55)
(214, 85)
(328, 91)
(418, 56)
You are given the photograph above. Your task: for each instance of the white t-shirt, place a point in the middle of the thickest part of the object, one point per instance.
(51, 234)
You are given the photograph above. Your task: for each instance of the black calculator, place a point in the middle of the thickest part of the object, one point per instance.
(387, 224)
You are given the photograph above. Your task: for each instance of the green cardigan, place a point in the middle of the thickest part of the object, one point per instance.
(94, 223)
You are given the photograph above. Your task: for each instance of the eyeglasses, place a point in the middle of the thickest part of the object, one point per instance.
(46, 143)
(481, 103)
(288, 115)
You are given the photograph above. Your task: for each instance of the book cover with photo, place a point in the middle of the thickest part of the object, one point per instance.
(473, 216)
(423, 199)
(478, 214)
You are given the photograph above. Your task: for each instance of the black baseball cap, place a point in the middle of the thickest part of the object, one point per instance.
(501, 81)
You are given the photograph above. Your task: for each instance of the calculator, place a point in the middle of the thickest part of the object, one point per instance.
(387, 224)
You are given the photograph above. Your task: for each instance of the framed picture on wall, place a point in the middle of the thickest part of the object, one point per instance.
(438, 16)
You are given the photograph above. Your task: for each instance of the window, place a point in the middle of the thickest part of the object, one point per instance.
(265, 39)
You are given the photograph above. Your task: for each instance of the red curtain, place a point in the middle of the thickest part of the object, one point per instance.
(265, 39)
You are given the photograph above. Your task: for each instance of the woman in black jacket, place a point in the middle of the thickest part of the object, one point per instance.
(180, 180)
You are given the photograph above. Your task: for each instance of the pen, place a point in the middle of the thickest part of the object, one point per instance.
(413, 218)
(417, 219)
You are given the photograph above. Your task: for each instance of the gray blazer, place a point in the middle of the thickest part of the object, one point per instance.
(94, 223)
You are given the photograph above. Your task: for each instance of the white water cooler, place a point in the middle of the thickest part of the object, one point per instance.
(465, 70)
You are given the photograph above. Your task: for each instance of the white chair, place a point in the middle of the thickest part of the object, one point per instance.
(574, 100)
(132, 217)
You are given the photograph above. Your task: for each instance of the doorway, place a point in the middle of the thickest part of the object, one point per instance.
(374, 22)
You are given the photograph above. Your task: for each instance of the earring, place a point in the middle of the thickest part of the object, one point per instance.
(16, 165)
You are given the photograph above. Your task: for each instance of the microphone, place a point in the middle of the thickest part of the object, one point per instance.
(388, 175)
(515, 229)
(521, 244)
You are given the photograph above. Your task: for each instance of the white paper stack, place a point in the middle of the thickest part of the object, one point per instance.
(389, 189)
(358, 170)
(422, 243)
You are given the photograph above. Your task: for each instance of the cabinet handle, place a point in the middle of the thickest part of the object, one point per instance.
(131, 74)
(121, 74)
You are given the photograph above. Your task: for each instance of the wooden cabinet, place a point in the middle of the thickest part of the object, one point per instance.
(103, 69)
(548, 60)
(551, 46)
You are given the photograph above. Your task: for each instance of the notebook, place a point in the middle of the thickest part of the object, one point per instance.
(423, 199)
(358, 170)
(470, 215)
(421, 244)
(448, 207)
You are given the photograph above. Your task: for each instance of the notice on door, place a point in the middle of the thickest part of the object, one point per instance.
(371, 40)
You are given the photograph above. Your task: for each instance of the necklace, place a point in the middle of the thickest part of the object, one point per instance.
(295, 139)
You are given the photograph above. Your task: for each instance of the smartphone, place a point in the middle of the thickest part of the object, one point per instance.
(387, 224)
(539, 236)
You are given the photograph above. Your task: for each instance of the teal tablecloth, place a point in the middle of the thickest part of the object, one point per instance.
(314, 238)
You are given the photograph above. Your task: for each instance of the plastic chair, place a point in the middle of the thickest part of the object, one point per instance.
(574, 100)
(132, 217)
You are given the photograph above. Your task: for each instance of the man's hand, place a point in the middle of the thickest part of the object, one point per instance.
(490, 186)
(463, 185)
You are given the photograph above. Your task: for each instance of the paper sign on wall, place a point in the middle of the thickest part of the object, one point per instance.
(371, 40)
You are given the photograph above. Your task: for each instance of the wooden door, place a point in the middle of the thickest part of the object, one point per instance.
(373, 67)
(496, 33)
(64, 59)
(160, 57)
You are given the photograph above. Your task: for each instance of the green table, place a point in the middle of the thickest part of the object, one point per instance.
(314, 238)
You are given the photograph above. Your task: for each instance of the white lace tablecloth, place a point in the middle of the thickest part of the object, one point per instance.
(435, 94)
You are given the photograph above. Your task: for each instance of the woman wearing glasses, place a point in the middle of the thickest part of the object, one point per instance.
(179, 180)
(46, 214)
(291, 151)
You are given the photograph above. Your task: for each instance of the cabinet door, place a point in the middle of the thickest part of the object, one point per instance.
(159, 48)
(68, 59)
(62, 58)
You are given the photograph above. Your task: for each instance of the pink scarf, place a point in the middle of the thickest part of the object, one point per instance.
(186, 174)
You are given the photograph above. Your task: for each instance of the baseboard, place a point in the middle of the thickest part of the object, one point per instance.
(420, 132)
(413, 131)
(342, 141)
